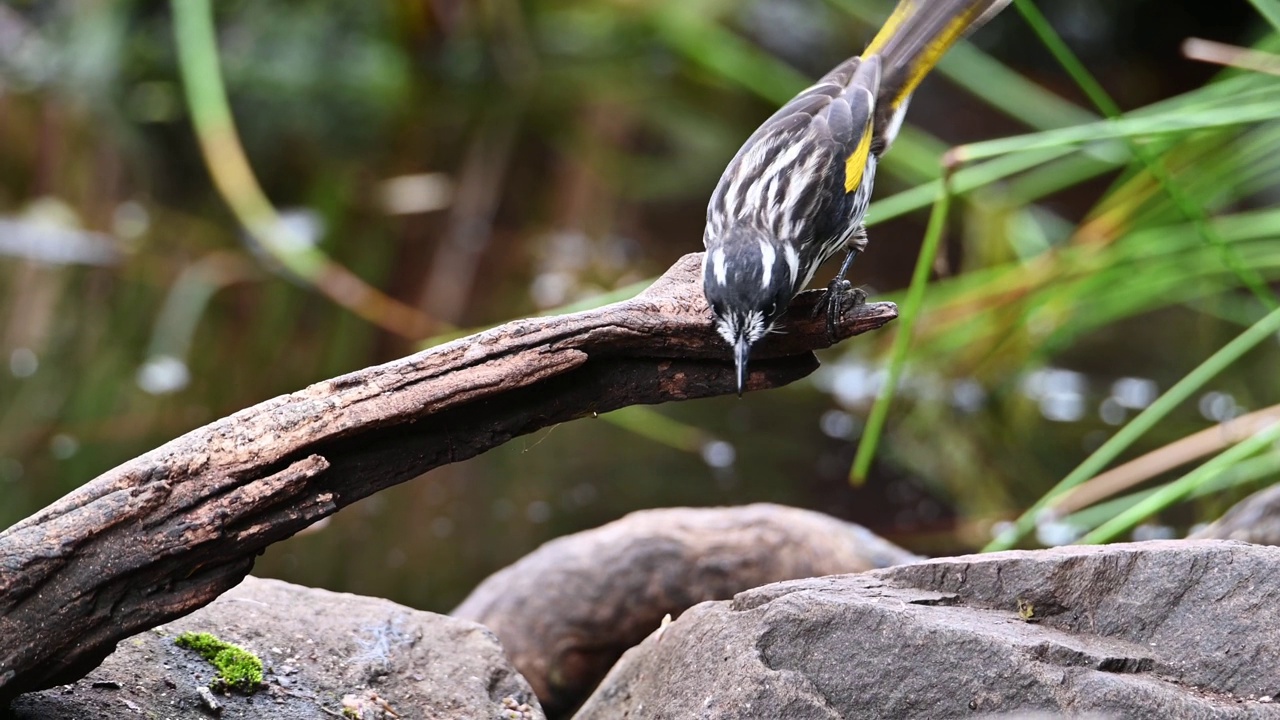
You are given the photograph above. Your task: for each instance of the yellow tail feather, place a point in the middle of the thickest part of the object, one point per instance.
(916, 36)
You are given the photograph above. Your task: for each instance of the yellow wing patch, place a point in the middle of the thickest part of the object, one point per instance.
(856, 163)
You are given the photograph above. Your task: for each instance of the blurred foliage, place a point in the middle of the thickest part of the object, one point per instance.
(480, 161)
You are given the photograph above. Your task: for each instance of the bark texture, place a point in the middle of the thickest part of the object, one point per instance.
(169, 531)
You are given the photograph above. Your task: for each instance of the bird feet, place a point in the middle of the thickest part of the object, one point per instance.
(839, 298)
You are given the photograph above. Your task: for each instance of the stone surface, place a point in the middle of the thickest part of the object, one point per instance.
(1255, 519)
(323, 652)
(1172, 629)
(567, 611)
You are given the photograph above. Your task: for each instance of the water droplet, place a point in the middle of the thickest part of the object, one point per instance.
(396, 558)
(1112, 411)
(719, 454)
(63, 446)
(1151, 531)
(550, 289)
(1062, 406)
(409, 194)
(968, 395)
(502, 509)
(1134, 393)
(1004, 531)
(10, 470)
(163, 374)
(857, 384)
(442, 527)
(1055, 533)
(130, 220)
(1218, 406)
(837, 424)
(583, 494)
(1053, 381)
(538, 511)
(23, 362)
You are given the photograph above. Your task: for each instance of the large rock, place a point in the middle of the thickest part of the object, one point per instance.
(324, 653)
(1255, 519)
(567, 611)
(1174, 629)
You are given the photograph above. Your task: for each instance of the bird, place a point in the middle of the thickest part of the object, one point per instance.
(797, 191)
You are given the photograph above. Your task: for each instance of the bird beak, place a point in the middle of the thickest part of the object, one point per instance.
(740, 351)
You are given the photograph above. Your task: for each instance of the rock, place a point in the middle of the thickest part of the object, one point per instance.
(1166, 629)
(323, 652)
(567, 611)
(1255, 519)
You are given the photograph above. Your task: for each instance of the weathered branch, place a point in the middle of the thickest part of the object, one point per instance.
(169, 531)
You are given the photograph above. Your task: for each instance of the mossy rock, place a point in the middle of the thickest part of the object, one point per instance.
(237, 668)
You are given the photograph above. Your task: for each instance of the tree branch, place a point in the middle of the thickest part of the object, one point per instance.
(167, 532)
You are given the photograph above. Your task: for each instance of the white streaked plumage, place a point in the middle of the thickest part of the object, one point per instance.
(793, 262)
(718, 266)
(781, 162)
(800, 197)
(745, 173)
(797, 191)
(767, 257)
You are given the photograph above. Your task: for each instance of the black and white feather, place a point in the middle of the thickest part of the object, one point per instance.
(787, 184)
(797, 191)
(781, 208)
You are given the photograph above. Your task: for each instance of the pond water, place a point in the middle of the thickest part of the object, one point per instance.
(478, 169)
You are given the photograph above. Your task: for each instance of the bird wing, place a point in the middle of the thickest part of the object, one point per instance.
(789, 164)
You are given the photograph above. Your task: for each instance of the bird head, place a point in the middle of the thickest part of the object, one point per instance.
(749, 280)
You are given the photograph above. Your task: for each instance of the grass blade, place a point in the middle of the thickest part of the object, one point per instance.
(1182, 487)
(902, 340)
(1147, 419)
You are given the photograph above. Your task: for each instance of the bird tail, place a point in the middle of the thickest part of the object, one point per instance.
(912, 41)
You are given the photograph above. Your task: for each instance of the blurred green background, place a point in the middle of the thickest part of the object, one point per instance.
(482, 161)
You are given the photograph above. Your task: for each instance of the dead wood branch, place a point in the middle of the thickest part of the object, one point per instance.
(167, 532)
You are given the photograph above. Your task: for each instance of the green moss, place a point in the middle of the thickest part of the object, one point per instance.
(237, 668)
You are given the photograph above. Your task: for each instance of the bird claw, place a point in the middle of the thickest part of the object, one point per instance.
(839, 298)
